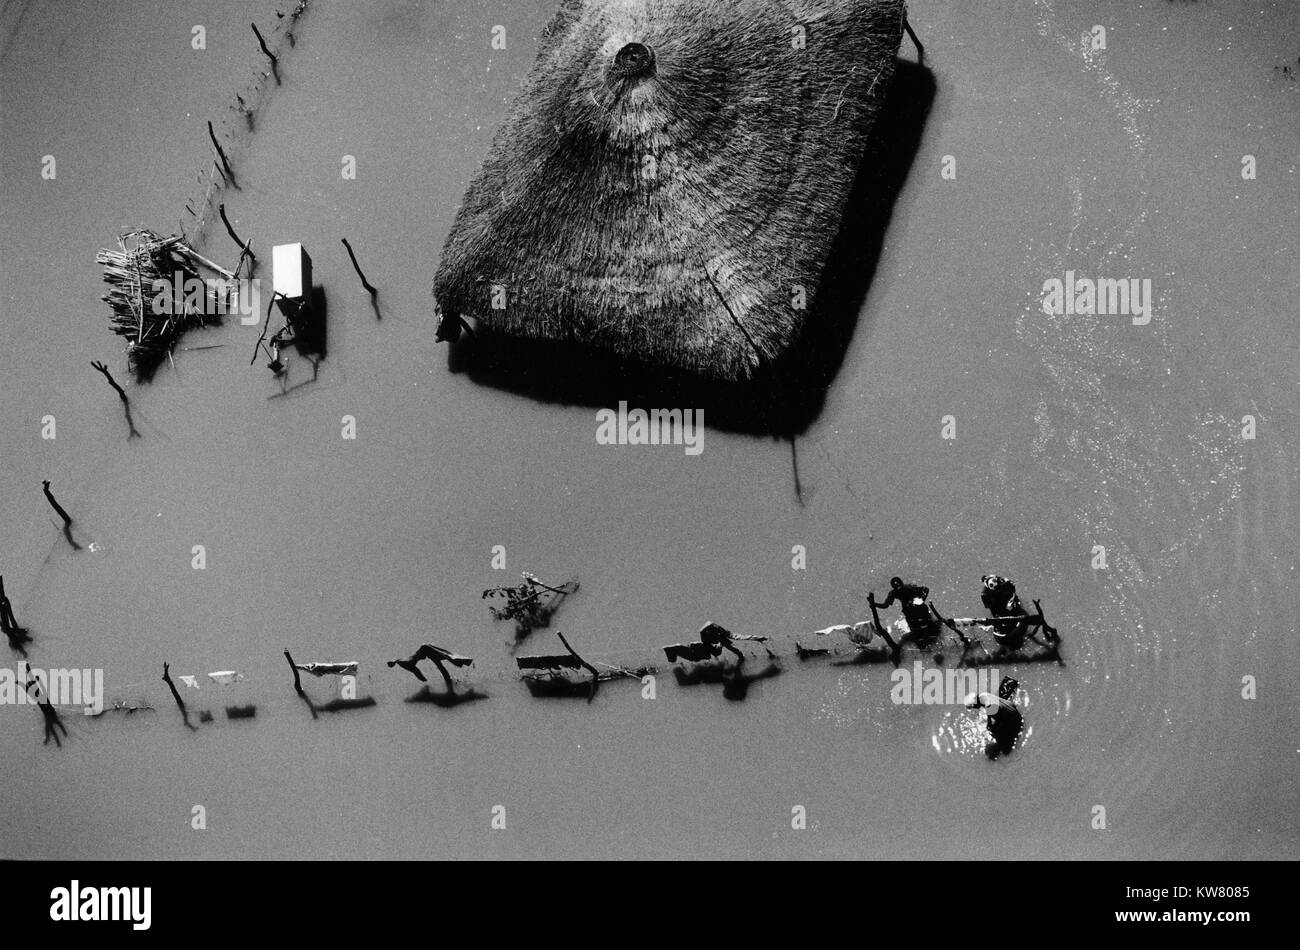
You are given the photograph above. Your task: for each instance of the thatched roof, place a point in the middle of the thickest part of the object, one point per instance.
(670, 174)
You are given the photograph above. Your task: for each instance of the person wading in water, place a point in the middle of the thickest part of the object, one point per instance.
(1001, 600)
(1005, 720)
(913, 601)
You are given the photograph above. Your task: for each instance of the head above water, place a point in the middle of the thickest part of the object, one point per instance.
(895, 582)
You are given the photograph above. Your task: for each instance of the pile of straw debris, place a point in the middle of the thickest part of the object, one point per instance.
(145, 270)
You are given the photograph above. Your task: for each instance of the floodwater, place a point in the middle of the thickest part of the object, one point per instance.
(1071, 432)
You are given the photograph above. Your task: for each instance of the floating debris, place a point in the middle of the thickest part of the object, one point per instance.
(152, 323)
(438, 656)
(1010, 634)
(807, 653)
(335, 705)
(552, 675)
(122, 706)
(531, 605)
(328, 669)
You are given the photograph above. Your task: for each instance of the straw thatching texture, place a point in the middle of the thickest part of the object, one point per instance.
(669, 213)
(142, 259)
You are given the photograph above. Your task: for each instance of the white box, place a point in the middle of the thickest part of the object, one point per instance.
(291, 271)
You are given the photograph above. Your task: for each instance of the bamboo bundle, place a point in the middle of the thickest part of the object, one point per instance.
(667, 187)
(143, 258)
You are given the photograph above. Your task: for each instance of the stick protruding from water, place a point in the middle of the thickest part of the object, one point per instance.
(370, 288)
(49, 496)
(225, 162)
(121, 394)
(275, 63)
(245, 247)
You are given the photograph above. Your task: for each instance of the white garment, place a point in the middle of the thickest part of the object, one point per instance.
(843, 628)
(225, 677)
(327, 669)
(191, 681)
(860, 632)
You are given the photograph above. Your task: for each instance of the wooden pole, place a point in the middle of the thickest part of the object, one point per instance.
(297, 680)
(49, 496)
(5, 610)
(186, 251)
(595, 674)
(17, 635)
(266, 325)
(880, 627)
(364, 283)
(437, 661)
(1042, 622)
(269, 55)
(121, 393)
(950, 623)
(230, 175)
(920, 50)
(167, 678)
(246, 247)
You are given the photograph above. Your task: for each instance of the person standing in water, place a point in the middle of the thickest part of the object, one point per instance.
(1001, 600)
(1005, 720)
(913, 601)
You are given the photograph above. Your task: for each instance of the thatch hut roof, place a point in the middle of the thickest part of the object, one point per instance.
(670, 177)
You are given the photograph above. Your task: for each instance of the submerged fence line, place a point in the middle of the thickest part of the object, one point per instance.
(603, 666)
(235, 128)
